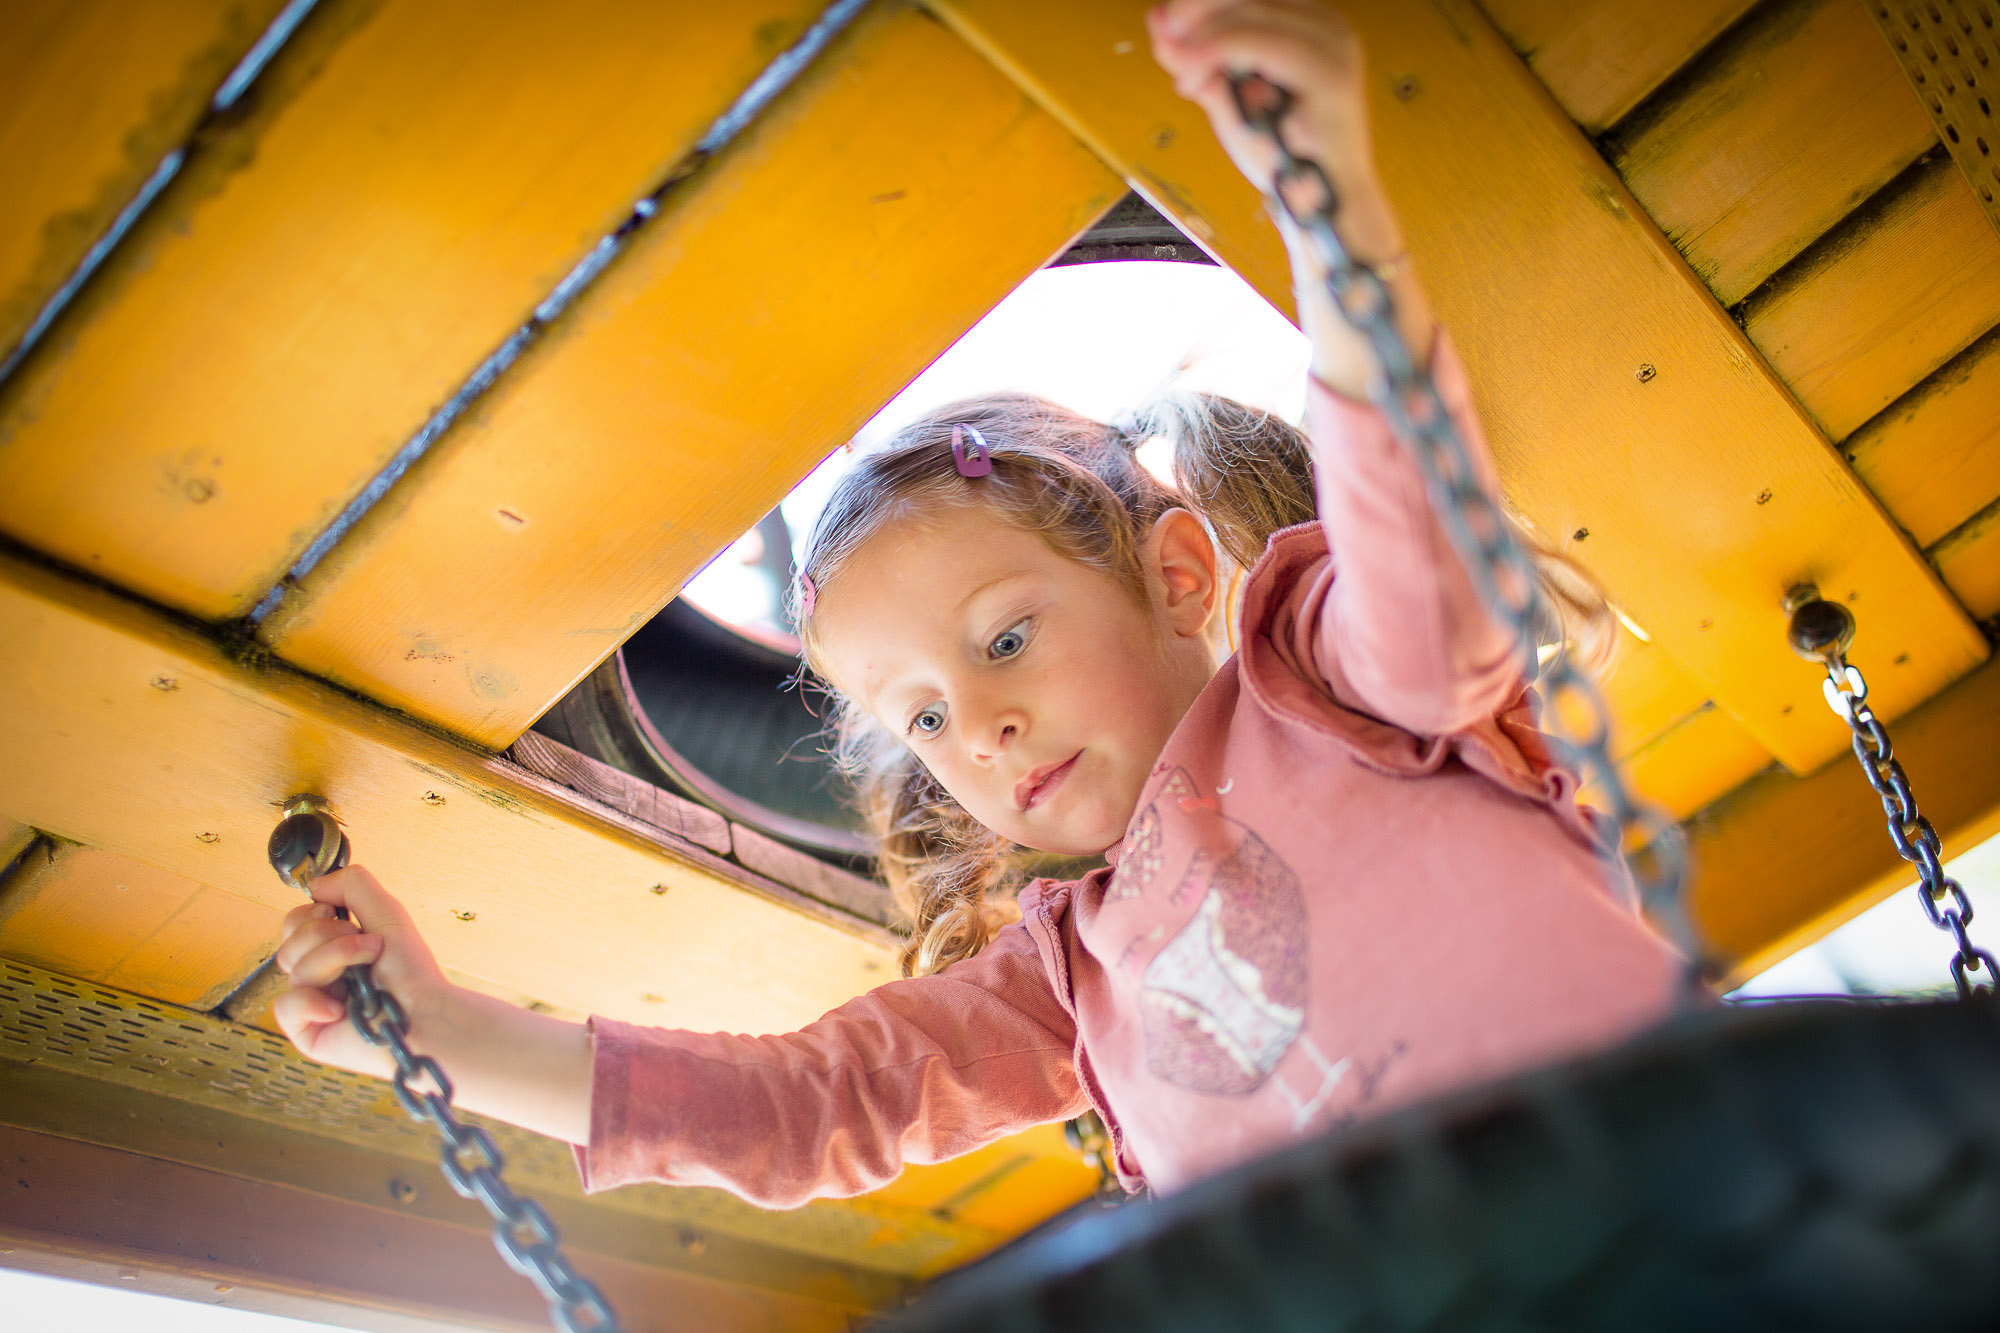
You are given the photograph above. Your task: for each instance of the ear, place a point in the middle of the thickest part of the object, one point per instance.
(1180, 560)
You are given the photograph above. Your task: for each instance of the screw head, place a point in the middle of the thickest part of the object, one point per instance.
(1647, 371)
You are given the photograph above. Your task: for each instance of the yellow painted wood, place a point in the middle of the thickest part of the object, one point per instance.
(1933, 456)
(1006, 1186)
(15, 838)
(109, 919)
(124, 731)
(1783, 860)
(875, 213)
(93, 93)
(1646, 692)
(1521, 230)
(1599, 58)
(409, 180)
(1699, 759)
(1969, 561)
(1800, 116)
(1892, 295)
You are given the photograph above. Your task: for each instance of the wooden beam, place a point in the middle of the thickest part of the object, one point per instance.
(1770, 139)
(1522, 231)
(1968, 559)
(1782, 860)
(409, 180)
(15, 838)
(110, 919)
(125, 731)
(1601, 58)
(359, 1265)
(1901, 287)
(1933, 455)
(874, 213)
(97, 92)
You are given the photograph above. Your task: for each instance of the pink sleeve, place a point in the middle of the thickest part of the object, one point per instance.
(914, 1071)
(1403, 621)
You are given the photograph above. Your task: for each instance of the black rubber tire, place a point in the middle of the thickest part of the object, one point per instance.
(1813, 1165)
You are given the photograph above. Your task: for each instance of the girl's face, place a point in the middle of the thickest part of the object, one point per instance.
(1037, 689)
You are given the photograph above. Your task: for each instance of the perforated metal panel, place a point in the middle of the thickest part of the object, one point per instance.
(1950, 49)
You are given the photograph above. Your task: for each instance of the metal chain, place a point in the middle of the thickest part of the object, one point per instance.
(1501, 568)
(472, 1162)
(1916, 841)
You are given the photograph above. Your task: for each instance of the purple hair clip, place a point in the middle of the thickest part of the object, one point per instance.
(808, 594)
(975, 460)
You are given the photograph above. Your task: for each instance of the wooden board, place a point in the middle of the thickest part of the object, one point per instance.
(1783, 860)
(1600, 58)
(1777, 133)
(15, 838)
(1521, 229)
(96, 93)
(1647, 692)
(125, 731)
(155, 1221)
(1968, 559)
(1901, 287)
(1933, 456)
(901, 183)
(1700, 758)
(411, 178)
(109, 919)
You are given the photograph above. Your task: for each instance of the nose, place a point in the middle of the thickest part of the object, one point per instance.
(993, 729)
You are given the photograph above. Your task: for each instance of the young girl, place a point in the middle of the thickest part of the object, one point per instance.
(1344, 873)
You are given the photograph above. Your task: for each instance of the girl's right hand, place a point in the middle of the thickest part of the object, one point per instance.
(317, 947)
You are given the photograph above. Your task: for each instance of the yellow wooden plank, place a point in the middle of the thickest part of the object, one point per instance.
(15, 838)
(875, 213)
(1782, 860)
(123, 731)
(1693, 763)
(410, 179)
(1891, 295)
(1599, 58)
(1646, 693)
(96, 92)
(1968, 559)
(1705, 491)
(1933, 456)
(109, 919)
(1797, 118)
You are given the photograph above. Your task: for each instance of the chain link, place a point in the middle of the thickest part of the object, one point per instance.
(472, 1162)
(1916, 841)
(1500, 566)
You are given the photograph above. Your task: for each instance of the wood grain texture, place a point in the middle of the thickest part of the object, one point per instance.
(522, 887)
(720, 359)
(109, 919)
(1522, 232)
(1699, 759)
(1968, 559)
(1601, 58)
(336, 1258)
(622, 792)
(1903, 285)
(767, 856)
(1777, 133)
(1782, 860)
(411, 178)
(96, 93)
(1933, 456)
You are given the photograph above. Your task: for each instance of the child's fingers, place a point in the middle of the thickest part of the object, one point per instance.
(324, 965)
(311, 935)
(1295, 50)
(300, 1013)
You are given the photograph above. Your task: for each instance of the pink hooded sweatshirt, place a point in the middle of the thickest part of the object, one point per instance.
(1354, 880)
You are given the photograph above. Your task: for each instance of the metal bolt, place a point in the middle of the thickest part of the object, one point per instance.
(402, 1191)
(1647, 370)
(1819, 629)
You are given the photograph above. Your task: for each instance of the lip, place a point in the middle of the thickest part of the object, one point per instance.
(1041, 784)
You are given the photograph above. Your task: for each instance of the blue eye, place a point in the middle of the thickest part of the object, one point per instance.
(1009, 642)
(929, 722)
